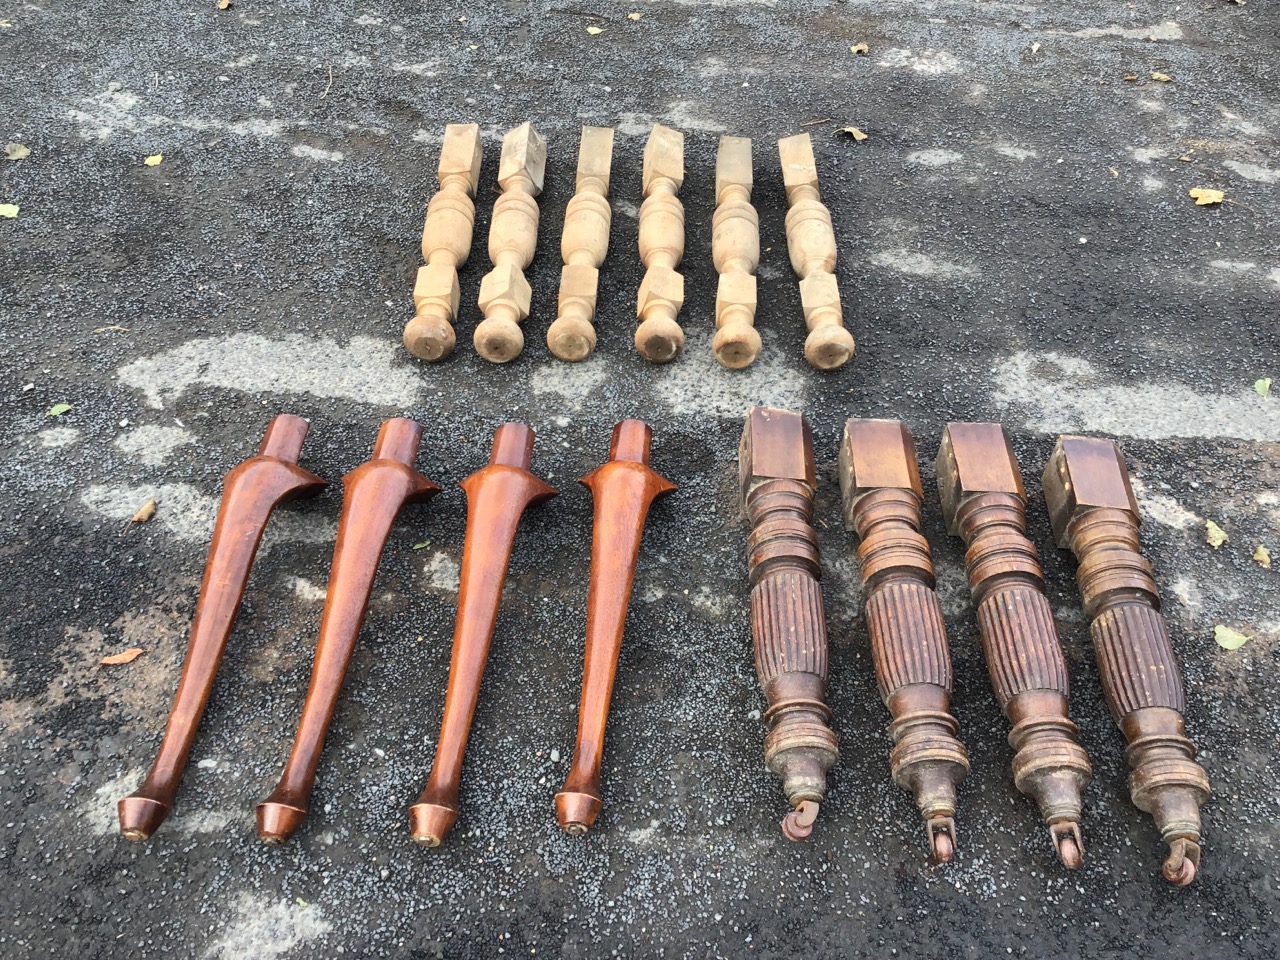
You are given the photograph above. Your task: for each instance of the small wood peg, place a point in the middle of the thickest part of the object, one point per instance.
(513, 238)
(735, 248)
(583, 246)
(811, 241)
(446, 243)
(659, 337)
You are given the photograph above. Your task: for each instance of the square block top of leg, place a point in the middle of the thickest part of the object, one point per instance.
(523, 152)
(461, 153)
(776, 445)
(733, 164)
(874, 455)
(663, 157)
(798, 166)
(1085, 473)
(975, 458)
(595, 155)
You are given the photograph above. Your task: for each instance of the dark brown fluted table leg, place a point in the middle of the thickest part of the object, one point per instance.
(984, 503)
(788, 624)
(497, 497)
(250, 492)
(880, 482)
(623, 490)
(374, 492)
(1094, 513)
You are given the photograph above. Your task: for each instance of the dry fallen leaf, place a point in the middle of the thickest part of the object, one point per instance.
(854, 132)
(595, 30)
(1114, 171)
(16, 151)
(1205, 196)
(1131, 76)
(8, 210)
(633, 16)
(1214, 535)
(1262, 557)
(1229, 639)
(127, 656)
(861, 48)
(1263, 387)
(224, 4)
(145, 512)
(1035, 48)
(1160, 77)
(154, 160)
(113, 327)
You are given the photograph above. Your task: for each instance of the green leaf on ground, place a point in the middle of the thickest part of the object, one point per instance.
(1229, 639)
(1262, 557)
(16, 151)
(422, 546)
(1263, 387)
(9, 210)
(58, 409)
(1214, 535)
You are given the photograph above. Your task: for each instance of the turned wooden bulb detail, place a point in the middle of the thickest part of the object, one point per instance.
(811, 241)
(583, 246)
(659, 337)
(446, 244)
(735, 249)
(513, 237)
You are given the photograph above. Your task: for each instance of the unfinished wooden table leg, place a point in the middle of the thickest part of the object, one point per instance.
(583, 246)
(513, 239)
(659, 337)
(735, 249)
(446, 244)
(811, 241)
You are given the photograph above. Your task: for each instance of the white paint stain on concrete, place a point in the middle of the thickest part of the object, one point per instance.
(1253, 171)
(1016, 153)
(932, 62)
(305, 589)
(934, 158)
(187, 514)
(575, 382)
(1274, 276)
(1168, 30)
(153, 445)
(442, 572)
(55, 438)
(709, 602)
(99, 816)
(1056, 393)
(315, 153)
(916, 264)
(1162, 508)
(696, 385)
(264, 929)
(1152, 184)
(1145, 154)
(1233, 266)
(117, 109)
(366, 369)
(684, 115)
(1240, 123)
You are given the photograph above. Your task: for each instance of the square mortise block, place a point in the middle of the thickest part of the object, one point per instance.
(798, 166)
(523, 152)
(735, 289)
(663, 157)
(461, 153)
(1085, 473)
(436, 283)
(733, 164)
(776, 445)
(975, 458)
(505, 283)
(578, 280)
(820, 290)
(875, 454)
(595, 155)
(660, 284)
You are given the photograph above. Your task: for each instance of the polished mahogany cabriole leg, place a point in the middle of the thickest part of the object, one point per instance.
(250, 492)
(374, 492)
(623, 490)
(497, 497)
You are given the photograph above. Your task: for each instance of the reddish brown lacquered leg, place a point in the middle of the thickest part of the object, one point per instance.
(880, 481)
(1094, 513)
(788, 625)
(984, 503)
(250, 492)
(373, 494)
(497, 497)
(623, 489)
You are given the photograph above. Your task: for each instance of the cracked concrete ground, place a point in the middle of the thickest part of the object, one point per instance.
(1016, 243)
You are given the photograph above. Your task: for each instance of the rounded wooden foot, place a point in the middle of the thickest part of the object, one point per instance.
(571, 338)
(140, 817)
(829, 347)
(736, 345)
(429, 338)
(431, 823)
(277, 822)
(577, 812)
(499, 341)
(659, 339)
